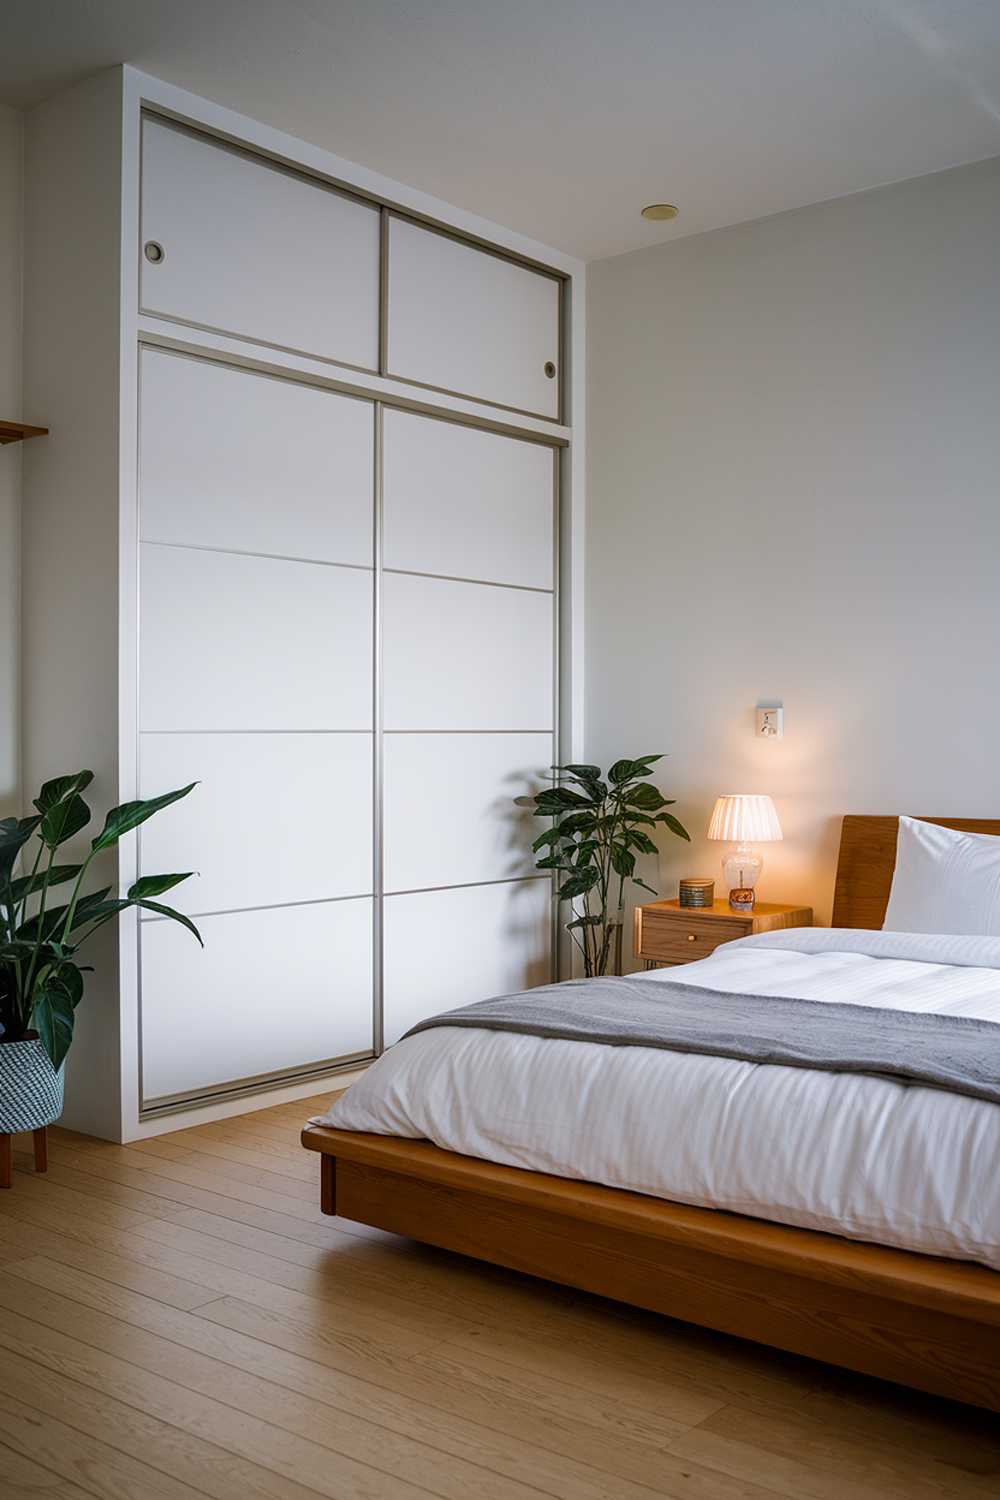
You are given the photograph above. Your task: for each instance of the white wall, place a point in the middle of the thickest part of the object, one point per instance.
(795, 456)
(69, 572)
(10, 453)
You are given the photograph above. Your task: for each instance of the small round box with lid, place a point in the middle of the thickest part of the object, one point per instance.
(695, 892)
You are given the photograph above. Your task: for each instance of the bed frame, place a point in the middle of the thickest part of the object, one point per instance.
(916, 1319)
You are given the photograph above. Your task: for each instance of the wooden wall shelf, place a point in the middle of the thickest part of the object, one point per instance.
(14, 432)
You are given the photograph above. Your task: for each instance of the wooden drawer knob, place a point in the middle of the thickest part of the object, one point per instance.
(692, 937)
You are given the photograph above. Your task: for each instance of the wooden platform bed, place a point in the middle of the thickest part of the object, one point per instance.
(916, 1319)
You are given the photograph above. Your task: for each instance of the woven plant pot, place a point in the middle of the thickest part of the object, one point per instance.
(31, 1091)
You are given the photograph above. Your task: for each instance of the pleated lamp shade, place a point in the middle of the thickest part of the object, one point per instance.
(743, 819)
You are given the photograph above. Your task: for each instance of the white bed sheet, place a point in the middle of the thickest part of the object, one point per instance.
(851, 1154)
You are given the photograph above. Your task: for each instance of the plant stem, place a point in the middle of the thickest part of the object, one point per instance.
(588, 938)
(71, 909)
(18, 917)
(27, 1003)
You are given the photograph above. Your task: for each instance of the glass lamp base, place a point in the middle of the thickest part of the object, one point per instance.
(741, 900)
(742, 867)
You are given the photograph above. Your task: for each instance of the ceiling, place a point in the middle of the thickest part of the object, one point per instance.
(561, 118)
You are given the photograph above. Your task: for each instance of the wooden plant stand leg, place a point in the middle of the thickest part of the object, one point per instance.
(41, 1138)
(6, 1159)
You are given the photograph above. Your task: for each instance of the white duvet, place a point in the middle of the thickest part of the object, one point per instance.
(848, 1153)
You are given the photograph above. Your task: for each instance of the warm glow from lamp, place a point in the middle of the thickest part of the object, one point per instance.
(743, 820)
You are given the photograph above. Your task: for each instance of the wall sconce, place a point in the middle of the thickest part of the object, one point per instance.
(770, 722)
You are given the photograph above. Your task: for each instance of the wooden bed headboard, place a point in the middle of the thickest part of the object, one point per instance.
(868, 858)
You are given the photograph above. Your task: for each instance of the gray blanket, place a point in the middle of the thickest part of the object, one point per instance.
(956, 1053)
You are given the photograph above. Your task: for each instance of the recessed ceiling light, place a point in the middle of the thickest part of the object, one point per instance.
(660, 211)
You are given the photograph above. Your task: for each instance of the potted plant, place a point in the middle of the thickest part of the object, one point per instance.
(41, 981)
(599, 825)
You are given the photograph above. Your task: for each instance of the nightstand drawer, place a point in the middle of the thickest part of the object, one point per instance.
(679, 938)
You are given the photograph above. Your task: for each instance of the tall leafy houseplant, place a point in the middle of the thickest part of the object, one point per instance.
(41, 981)
(599, 825)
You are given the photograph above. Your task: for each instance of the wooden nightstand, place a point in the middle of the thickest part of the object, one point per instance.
(668, 933)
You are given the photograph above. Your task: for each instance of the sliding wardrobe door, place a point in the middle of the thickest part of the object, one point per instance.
(464, 319)
(237, 243)
(256, 680)
(468, 710)
(448, 948)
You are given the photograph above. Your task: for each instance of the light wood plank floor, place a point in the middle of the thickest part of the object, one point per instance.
(177, 1319)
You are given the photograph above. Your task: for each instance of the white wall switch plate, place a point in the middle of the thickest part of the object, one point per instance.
(771, 723)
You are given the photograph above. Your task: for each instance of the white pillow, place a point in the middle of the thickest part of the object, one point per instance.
(944, 881)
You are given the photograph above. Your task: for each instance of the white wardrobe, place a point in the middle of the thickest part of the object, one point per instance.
(338, 613)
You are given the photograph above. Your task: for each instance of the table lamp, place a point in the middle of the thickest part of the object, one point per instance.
(743, 820)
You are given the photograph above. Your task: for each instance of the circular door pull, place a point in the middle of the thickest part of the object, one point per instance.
(550, 369)
(154, 252)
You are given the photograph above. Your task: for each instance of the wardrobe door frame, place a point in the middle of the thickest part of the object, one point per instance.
(387, 210)
(121, 97)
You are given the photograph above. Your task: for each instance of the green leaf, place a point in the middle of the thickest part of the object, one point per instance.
(72, 979)
(640, 841)
(651, 889)
(597, 791)
(575, 824)
(622, 861)
(175, 916)
(50, 921)
(588, 777)
(579, 884)
(60, 788)
(155, 885)
(87, 905)
(549, 836)
(14, 834)
(674, 826)
(100, 911)
(52, 1016)
(557, 799)
(552, 862)
(621, 771)
(563, 777)
(585, 850)
(129, 815)
(63, 820)
(16, 951)
(58, 875)
(584, 922)
(98, 915)
(645, 795)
